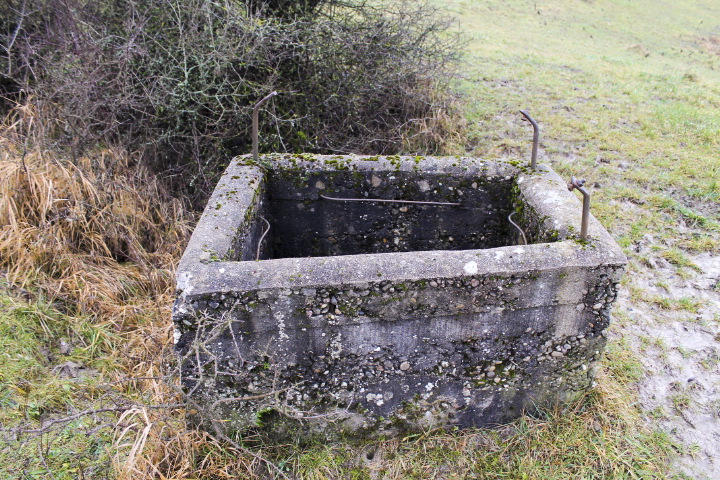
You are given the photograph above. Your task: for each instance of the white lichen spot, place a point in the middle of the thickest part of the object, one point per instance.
(176, 335)
(336, 346)
(552, 197)
(183, 284)
(319, 185)
(222, 270)
(424, 185)
(499, 255)
(520, 180)
(376, 181)
(429, 386)
(471, 268)
(519, 250)
(281, 326)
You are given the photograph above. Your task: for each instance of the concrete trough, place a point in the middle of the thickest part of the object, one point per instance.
(363, 319)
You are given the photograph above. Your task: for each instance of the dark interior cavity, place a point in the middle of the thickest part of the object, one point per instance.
(303, 224)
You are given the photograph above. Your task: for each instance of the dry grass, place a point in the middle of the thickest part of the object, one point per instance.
(95, 238)
(94, 241)
(98, 238)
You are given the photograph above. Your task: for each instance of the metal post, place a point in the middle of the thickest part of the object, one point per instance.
(575, 183)
(536, 138)
(255, 125)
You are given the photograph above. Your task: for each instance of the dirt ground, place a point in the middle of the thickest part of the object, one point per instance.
(679, 350)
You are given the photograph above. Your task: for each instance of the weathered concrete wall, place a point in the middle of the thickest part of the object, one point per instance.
(378, 343)
(305, 224)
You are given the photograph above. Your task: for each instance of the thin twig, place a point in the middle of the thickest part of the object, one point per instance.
(47, 427)
(416, 202)
(42, 458)
(245, 399)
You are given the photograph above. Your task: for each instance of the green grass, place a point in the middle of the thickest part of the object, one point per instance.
(610, 83)
(35, 341)
(588, 442)
(622, 363)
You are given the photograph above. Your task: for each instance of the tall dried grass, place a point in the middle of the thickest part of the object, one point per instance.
(96, 233)
(100, 237)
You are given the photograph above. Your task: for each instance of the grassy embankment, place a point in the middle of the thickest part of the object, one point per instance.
(627, 94)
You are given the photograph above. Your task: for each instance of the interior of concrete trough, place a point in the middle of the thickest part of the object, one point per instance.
(306, 220)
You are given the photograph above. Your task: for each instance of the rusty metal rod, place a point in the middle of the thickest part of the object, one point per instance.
(575, 183)
(518, 227)
(416, 202)
(257, 257)
(255, 127)
(536, 138)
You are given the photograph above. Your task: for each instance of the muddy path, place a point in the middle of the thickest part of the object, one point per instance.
(679, 349)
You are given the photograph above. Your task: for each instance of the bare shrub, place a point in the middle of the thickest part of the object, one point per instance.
(175, 80)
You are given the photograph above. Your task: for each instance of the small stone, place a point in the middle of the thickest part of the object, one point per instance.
(475, 282)
(583, 341)
(405, 366)
(403, 209)
(497, 380)
(597, 306)
(466, 392)
(491, 374)
(433, 283)
(557, 354)
(580, 307)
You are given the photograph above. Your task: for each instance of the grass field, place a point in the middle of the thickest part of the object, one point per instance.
(627, 94)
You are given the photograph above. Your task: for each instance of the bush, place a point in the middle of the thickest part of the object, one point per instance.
(175, 80)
